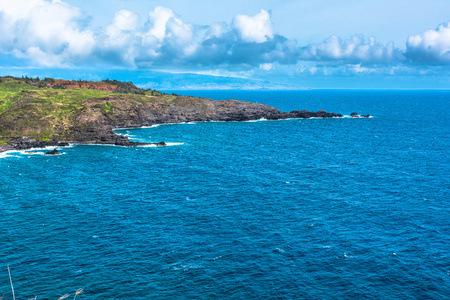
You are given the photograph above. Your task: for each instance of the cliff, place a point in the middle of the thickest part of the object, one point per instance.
(37, 113)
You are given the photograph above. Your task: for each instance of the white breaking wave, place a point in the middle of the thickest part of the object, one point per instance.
(174, 144)
(167, 144)
(259, 120)
(32, 151)
(350, 117)
(137, 146)
(6, 154)
(142, 127)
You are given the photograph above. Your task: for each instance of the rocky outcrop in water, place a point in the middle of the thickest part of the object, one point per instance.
(355, 115)
(53, 152)
(54, 113)
(304, 114)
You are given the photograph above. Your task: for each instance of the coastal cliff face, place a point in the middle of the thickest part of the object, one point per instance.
(37, 113)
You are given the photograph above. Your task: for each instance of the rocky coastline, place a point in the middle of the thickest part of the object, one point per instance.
(104, 134)
(35, 118)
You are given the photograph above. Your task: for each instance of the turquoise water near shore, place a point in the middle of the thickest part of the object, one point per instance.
(292, 209)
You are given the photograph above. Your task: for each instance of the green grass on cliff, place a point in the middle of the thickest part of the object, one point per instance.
(14, 91)
(29, 108)
(33, 108)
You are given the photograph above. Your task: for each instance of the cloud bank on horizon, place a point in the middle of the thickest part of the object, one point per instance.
(54, 33)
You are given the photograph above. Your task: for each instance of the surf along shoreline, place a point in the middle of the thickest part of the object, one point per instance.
(41, 113)
(28, 144)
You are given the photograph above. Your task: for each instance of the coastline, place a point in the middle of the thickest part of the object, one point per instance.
(38, 115)
(56, 144)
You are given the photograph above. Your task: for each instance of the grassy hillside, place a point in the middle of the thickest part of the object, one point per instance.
(48, 109)
(38, 113)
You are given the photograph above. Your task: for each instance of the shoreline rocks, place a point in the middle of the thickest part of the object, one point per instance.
(355, 115)
(304, 114)
(88, 119)
(53, 152)
(94, 126)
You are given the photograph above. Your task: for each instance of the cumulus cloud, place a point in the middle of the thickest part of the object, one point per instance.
(158, 19)
(266, 67)
(257, 29)
(49, 33)
(431, 46)
(353, 50)
(54, 33)
(165, 40)
(118, 39)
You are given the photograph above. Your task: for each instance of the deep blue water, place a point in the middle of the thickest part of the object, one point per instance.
(293, 209)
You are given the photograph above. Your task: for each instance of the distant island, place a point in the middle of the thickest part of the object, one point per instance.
(36, 113)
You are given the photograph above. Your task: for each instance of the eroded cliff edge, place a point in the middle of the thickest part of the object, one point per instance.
(38, 113)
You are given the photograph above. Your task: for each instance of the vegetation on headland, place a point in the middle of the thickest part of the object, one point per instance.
(38, 113)
(47, 109)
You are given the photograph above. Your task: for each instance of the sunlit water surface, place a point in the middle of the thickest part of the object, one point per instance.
(294, 209)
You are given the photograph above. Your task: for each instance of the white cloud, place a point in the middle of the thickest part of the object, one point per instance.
(256, 29)
(432, 46)
(266, 67)
(40, 30)
(353, 50)
(158, 19)
(216, 30)
(119, 38)
(164, 25)
(313, 70)
(42, 58)
(54, 33)
(125, 20)
(358, 69)
(182, 33)
(167, 37)
(122, 28)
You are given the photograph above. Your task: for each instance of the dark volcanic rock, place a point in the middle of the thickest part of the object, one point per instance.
(53, 152)
(23, 142)
(304, 114)
(93, 120)
(355, 115)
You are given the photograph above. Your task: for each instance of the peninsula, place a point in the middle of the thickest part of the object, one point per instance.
(49, 112)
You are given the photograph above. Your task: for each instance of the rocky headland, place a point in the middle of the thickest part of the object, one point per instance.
(39, 113)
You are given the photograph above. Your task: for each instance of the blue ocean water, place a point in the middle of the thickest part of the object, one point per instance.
(292, 209)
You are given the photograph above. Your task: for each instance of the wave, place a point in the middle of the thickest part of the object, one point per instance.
(140, 146)
(350, 117)
(259, 120)
(6, 154)
(31, 152)
(141, 127)
(42, 151)
(167, 144)
(154, 126)
(218, 121)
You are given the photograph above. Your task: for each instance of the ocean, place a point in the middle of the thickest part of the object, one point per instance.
(292, 209)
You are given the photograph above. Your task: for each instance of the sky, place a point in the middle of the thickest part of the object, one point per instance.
(233, 44)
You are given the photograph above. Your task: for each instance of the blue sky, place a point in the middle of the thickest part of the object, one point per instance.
(250, 44)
